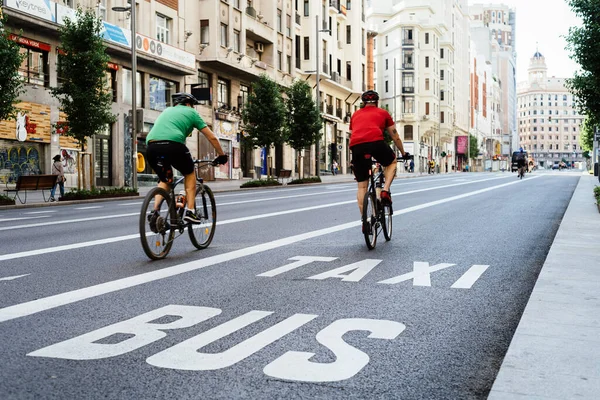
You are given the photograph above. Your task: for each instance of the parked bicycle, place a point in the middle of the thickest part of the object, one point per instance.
(378, 214)
(158, 233)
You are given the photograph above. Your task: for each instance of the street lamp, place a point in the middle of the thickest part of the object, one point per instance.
(133, 94)
(317, 158)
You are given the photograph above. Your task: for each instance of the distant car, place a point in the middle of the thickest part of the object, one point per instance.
(554, 166)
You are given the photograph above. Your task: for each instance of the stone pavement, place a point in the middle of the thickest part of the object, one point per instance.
(555, 352)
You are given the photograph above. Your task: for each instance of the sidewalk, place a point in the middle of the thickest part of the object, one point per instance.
(555, 352)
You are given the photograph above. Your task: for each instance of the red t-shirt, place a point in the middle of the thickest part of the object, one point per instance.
(368, 124)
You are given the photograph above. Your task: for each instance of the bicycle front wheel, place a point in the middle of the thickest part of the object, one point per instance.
(369, 217)
(202, 234)
(156, 231)
(386, 221)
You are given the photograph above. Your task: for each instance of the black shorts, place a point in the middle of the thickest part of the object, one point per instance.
(165, 155)
(380, 151)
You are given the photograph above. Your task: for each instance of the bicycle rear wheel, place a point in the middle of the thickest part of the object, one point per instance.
(386, 221)
(369, 217)
(156, 231)
(202, 234)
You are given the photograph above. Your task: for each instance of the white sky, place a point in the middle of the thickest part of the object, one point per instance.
(544, 22)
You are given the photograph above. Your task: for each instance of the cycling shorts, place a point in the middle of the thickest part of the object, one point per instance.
(379, 150)
(165, 155)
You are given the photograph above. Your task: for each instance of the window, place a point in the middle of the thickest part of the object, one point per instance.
(279, 22)
(441, 53)
(160, 93)
(306, 48)
(289, 64)
(408, 81)
(162, 29)
(349, 35)
(427, 108)
(427, 62)
(34, 67)
(223, 93)
(408, 132)
(306, 8)
(442, 95)
(224, 39)
(204, 31)
(204, 81)
(288, 25)
(111, 83)
(279, 61)
(386, 41)
(442, 117)
(441, 74)
(102, 10)
(386, 64)
(408, 105)
(426, 83)
(127, 87)
(387, 89)
(426, 37)
(244, 93)
(236, 41)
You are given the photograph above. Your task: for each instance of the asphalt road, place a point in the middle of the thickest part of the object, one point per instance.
(287, 302)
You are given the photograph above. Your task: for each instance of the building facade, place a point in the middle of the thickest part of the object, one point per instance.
(548, 120)
(421, 74)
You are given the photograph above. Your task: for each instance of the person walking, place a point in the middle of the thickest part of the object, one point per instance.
(57, 169)
(334, 167)
(412, 165)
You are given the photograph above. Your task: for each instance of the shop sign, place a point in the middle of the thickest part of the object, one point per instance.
(461, 144)
(64, 12)
(153, 47)
(113, 66)
(29, 42)
(115, 34)
(38, 8)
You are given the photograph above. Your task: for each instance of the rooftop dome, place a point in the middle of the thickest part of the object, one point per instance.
(538, 55)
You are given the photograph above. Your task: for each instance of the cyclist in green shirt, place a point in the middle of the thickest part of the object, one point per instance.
(167, 149)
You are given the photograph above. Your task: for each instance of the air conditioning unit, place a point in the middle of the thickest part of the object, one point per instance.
(259, 47)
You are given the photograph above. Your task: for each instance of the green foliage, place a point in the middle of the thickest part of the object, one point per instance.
(474, 147)
(76, 194)
(586, 136)
(260, 182)
(11, 83)
(597, 194)
(586, 154)
(583, 42)
(312, 179)
(6, 201)
(264, 115)
(303, 119)
(84, 95)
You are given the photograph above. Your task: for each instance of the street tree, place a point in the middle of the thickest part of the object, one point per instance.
(83, 95)
(473, 146)
(586, 135)
(583, 42)
(11, 83)
(264, 115)
(303, 118)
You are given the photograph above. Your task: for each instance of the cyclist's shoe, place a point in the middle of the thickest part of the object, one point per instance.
(386, 198)
(191, 217)
(366, 227)
(152, 217)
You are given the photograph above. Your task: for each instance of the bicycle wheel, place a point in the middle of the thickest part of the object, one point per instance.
(370, 216)
(202, 234)
(157, 232)
(386, 221)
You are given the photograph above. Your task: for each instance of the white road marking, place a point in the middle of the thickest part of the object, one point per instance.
(68, 221)
(467, 280)
(58, 300)
(88, 208)
(40, 212)
(137, 203)
(12, 278)
(55, 249)
(19, 219)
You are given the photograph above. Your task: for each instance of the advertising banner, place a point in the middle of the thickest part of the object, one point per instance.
(148, 45)
(461, 144)
(38, 8)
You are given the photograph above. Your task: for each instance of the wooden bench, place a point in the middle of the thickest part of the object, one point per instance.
(284, 174)
(33, 182)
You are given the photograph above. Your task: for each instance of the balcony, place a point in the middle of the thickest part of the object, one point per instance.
(334, 6)
(325, 68)
(408, 42)
(338, 113)
(408, 65)
(258, 31)
(330, 109)
(408, 89)
(335, 76)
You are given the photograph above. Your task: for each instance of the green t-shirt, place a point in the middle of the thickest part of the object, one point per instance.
(175, 124)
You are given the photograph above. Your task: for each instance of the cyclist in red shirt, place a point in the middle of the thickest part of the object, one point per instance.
(366, 127)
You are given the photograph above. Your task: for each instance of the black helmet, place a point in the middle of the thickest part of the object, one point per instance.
(184, 98)
(370, 96)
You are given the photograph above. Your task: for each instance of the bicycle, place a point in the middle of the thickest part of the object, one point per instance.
(158, 234)
(521, 172)
(378, 215)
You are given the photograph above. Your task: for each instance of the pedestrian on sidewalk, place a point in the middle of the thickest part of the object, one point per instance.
(57, 169)
(412, 166)
(334, 167)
